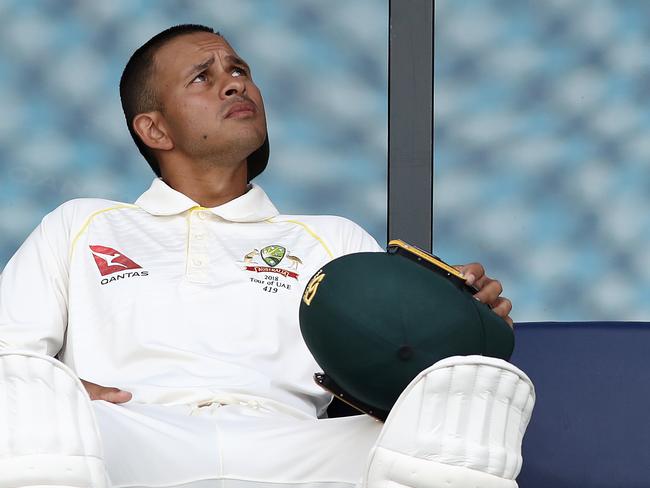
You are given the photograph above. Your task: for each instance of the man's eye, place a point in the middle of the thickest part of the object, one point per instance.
(239, 71)
(200, 78)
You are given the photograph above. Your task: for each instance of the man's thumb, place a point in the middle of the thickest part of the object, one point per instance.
(109, 394)
(114, 395)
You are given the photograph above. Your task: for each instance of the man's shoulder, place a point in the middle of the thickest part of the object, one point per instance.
(324, 223)
(334, 220)
(81, 207)
(76, 212)
(343, 234)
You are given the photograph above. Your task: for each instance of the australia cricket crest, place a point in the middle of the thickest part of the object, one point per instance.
(272, 255)
(272, 259)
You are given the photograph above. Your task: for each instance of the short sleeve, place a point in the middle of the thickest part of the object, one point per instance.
(33, 289)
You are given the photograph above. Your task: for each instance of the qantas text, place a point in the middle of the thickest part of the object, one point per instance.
(129, 274)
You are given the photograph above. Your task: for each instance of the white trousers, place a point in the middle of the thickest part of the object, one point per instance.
(231, 446)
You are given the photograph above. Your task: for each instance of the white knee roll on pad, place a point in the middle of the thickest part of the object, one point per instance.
(458, 424)
(48, 433)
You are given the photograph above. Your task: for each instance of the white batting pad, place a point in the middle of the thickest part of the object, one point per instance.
(459, 424)
(48, 434)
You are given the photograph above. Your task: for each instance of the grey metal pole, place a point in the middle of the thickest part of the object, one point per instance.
(410, 122)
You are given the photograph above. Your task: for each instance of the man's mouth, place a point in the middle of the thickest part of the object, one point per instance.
(241, 109)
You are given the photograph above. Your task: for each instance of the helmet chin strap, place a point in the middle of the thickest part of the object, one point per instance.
(330, 385)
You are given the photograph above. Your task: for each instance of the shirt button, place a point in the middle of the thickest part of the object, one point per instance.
(198, 237)
(203, 215)
(197, 262)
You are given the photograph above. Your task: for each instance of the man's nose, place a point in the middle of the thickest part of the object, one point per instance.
(233, 86)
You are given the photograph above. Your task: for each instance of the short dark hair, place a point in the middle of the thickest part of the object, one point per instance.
(137, 92)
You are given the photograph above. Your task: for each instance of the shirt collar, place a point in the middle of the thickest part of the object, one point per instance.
(252, 206)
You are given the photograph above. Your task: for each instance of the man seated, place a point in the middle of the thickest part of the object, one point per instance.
(179, 312)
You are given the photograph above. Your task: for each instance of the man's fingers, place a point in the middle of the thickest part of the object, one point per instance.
(108, 394)
(472, 272)
(502, 307)
(489, 291)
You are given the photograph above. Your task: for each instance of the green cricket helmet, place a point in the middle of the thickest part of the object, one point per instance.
(373, 321)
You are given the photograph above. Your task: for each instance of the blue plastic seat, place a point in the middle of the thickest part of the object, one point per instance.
(591, 424)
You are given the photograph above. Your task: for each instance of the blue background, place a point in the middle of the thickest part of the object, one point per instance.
(541, 124)
(542, 146)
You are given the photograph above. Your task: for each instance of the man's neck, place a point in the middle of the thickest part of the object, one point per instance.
(209, 187)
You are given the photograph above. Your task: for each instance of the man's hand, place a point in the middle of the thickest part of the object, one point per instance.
(112, 395)
(489, 290)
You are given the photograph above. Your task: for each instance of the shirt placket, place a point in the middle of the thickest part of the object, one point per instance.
(197, 250)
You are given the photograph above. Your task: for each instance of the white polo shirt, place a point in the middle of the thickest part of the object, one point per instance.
(172, 301)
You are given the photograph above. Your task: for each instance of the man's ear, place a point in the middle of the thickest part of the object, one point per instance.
(151, 128)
